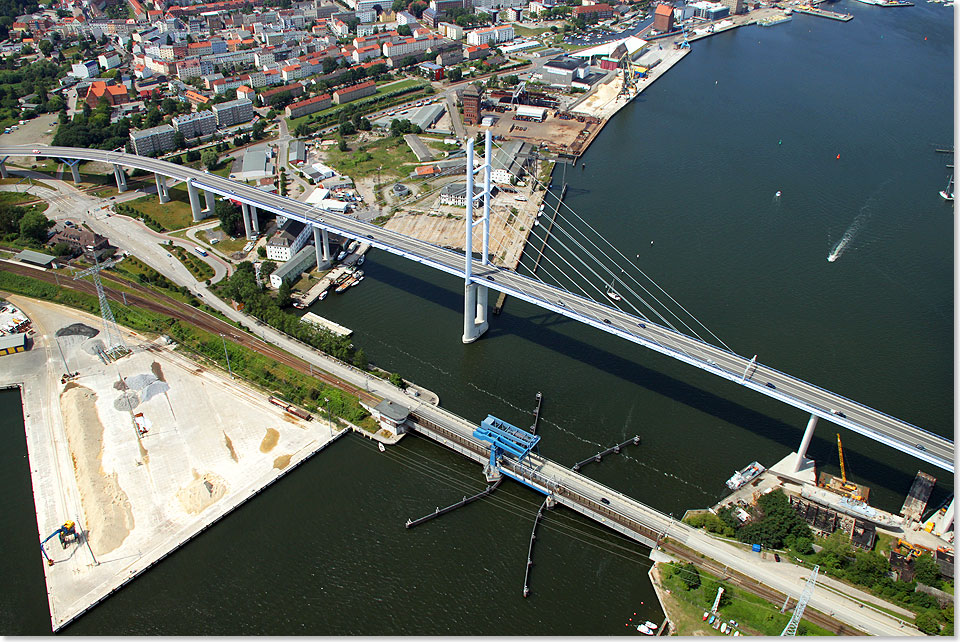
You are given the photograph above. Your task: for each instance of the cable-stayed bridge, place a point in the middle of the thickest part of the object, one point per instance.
(584, 266)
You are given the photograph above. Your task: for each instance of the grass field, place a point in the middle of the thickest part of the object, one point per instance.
(14, 180)
(173, 215)
(198, 268)
(390, 154)
(754, 615)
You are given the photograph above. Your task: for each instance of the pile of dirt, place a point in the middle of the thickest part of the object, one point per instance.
(109, 517)
(203, 491)
(77, 330)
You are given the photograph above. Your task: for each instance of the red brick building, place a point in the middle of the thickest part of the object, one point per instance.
(113, 94)
(471, 105)
(593, 12)
(663, 18)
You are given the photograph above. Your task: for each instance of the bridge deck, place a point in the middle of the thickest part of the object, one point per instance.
(793, 391)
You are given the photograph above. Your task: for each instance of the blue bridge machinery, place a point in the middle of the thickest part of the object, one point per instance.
(506, 440)
(480, 275)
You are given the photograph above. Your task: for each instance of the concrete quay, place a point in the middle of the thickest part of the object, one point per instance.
(210, 444)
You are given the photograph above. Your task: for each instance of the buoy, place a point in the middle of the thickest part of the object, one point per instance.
(781, 142)
(651, 242)
(838, 156)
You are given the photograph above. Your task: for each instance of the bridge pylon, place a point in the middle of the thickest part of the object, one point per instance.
(475, 296)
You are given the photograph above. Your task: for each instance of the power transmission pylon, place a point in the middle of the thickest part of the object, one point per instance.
(112, 339)
(791, 628)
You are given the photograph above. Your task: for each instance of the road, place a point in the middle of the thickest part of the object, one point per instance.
(743, 371)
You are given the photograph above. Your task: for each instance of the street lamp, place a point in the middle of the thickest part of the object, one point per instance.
(224, 341)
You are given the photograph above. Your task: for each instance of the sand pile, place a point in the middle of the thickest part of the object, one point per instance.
(109, 518)
(201, 492)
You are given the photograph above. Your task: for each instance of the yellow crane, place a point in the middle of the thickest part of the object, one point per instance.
(850, 487)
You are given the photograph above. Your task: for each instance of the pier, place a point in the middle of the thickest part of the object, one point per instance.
(536, 414)
(824, 13)
(463, 502)
(613, 449)
(533, 538)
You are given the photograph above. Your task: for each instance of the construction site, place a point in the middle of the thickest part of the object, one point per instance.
(829, 503)
(135, 449)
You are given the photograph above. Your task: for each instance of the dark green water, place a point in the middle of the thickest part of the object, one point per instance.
(692, 164)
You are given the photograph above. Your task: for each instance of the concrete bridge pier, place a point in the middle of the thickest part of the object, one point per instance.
(254, 219)
(162, 194)
(121, 178)
(247, 230)
(211, 200)
(805, 443)
(3, 167)
(194, 195)
(474, 302)
(74, 169)
(321, 247)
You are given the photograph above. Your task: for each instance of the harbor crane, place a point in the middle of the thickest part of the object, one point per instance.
(848, 487)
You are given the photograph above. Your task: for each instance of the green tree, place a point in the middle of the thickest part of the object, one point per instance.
(257, 131)
(62, 249)
(868, 568)
(836, 548)
(45, 47)
(404, 30)
(342, 144)
(455, 74)
(928, 623)
(397, 380)
(209, 158)
(179, 141)
(360, 359)
(283, 294)
(926, 571)
(689, 575)
(266, 269)
(154, 117)
(33, 227)
(261, 252)
(229, 215)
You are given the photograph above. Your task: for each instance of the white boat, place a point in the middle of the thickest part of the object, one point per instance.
(777, 194)
(342, 255)
(644, 630)
(323, 295)
(613, 293)
(361, 259)
(744, 476)
(650, 625)
(380, 445)
(947, 192)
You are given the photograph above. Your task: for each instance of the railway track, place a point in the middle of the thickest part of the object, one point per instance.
(154, 301)
(759, 589)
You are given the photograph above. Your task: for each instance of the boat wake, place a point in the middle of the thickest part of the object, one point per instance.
(858, 222)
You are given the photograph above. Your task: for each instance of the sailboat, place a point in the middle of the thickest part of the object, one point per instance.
(947, 192)
(613, 293)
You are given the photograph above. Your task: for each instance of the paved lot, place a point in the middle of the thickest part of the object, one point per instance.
(37, 130)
